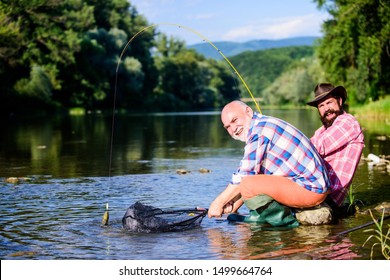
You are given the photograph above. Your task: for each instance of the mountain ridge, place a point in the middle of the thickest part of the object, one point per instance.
(229, 48)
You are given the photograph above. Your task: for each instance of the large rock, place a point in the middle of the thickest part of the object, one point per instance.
(318, 215)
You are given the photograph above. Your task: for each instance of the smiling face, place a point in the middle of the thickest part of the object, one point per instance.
(329, 109)
(236, 118)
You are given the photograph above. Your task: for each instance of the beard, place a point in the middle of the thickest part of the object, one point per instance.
(239, 138)
(328, 122)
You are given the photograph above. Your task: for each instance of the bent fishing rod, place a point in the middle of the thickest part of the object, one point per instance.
(105, 218)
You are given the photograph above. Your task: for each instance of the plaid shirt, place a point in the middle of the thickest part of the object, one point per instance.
(276, 147)
(341, 146)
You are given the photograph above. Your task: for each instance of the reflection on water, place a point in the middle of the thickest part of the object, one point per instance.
(55, 210)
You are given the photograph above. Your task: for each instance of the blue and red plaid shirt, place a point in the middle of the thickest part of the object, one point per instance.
(278, 148)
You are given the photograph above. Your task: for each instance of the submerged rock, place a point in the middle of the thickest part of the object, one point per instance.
(204, 170)
(16, 180)
(380, 208)
(384, 206)
(12, 180)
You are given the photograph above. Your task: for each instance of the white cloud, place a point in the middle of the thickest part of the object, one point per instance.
(278, 28)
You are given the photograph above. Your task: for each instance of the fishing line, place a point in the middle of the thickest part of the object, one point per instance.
(236, 86)
(196, 33)
(106, 216)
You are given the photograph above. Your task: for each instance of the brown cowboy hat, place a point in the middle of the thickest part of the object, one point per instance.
(323, 90)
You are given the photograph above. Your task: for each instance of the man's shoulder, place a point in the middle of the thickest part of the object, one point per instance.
(266, 125)
(270, 121)
(347, 115)
(263, 120)
(346, 118)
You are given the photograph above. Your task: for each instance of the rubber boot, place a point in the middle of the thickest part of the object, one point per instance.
(266, 210)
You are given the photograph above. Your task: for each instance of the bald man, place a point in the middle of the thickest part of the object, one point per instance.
(279, 163)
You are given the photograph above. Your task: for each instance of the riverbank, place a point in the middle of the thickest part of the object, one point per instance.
(374, 116)
(374, 110)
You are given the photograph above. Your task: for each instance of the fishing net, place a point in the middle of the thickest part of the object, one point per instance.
(144, 218)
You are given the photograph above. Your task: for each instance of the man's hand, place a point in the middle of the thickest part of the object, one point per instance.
(228, 208)
(227, 202)
(215, 209)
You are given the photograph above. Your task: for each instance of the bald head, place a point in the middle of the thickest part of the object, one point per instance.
(234, 105)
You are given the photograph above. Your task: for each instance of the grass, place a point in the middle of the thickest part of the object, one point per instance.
(382, 238)
(77, 111)
(374, 116)
(374, 110)
(352, 201)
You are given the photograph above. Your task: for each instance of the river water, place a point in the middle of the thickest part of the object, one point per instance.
(53, 209)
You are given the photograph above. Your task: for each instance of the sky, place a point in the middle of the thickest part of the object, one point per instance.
(233, 20)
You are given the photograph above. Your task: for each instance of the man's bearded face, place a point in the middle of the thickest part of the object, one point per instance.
(329, 110)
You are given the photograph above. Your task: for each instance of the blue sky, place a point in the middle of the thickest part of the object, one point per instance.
(232, 20)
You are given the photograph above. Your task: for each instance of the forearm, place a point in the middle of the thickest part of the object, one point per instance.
(230, 194)
(237, 204)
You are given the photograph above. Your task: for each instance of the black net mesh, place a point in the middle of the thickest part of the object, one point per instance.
(144, 218)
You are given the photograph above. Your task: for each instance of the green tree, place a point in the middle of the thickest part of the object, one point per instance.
(261, 68)
(355, 48)
(224, 83)
(65, 53)
(38, 46)
(292, 87)
(185, 78)
(189, 81)
(74, 45)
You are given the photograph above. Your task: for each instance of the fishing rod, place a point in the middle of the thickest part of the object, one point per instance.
(364, 225)
(105, 218)
(203, 38)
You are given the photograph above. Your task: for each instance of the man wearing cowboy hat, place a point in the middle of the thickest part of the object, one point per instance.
(339, 141)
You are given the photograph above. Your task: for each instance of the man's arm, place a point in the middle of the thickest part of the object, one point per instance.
(226, 202)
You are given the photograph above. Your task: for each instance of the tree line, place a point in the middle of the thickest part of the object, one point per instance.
(60, 54)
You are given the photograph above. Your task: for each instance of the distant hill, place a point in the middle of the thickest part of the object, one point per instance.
(261, 68)
(234, 48)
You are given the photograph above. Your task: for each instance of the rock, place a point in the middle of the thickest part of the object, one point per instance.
(204, 170)
(373, 158)
(384, 206)
(16, 180)
(318, 215)
(23, 254)
(12, 180)
(381, 138)
(182, 171)
(379, 208)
